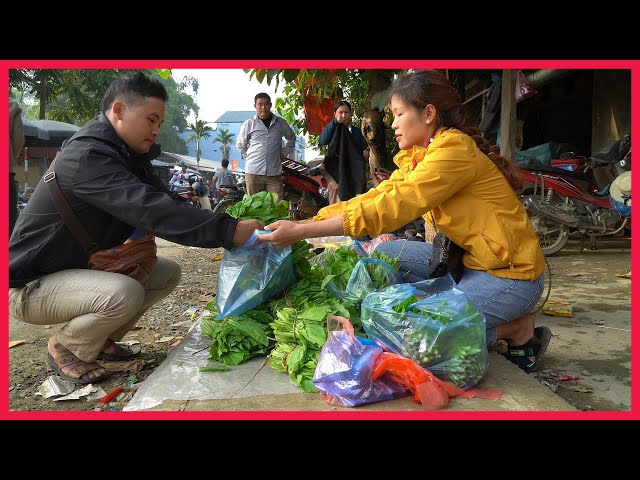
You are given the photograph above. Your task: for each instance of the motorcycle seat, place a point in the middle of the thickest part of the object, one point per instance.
(559, 171)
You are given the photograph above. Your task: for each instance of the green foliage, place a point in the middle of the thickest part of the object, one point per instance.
(225, 138)
(352, 85)
(164, 73)
(75, 96)
(200, 130)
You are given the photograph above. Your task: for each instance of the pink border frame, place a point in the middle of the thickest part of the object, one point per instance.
(5, 65)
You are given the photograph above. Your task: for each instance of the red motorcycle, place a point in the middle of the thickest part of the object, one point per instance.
(566, 197)
(305, 191)
(304, 188)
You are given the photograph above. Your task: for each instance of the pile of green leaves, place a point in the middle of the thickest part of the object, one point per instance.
(301, 252)
(263, 206)
(237, 339)
(338, 266)
(299, 327)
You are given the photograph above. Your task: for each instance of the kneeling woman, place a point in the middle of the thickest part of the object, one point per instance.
(448, 173)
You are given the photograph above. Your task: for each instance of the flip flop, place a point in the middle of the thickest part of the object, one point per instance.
(126, 353)
(536, 346)
(78, 381)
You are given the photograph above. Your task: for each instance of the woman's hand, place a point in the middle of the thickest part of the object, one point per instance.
(244, 230)
(284, 233)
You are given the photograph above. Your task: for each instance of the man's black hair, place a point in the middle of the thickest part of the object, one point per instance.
(261, 95)
(224, 163)
(135, 87)
(340, 103)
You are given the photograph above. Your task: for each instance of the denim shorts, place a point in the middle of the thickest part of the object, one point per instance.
(500, 299)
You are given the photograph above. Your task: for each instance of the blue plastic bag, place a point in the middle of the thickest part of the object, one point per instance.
(345, 368)
(434, 324)
(360, 283)
(252, 274)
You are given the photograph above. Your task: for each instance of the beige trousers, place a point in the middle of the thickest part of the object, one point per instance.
(97, 305)
(264, 183)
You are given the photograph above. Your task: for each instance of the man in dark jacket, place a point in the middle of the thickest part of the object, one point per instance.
(105, 174)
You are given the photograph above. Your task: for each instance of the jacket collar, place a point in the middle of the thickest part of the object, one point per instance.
(100, 128)
(407, 159)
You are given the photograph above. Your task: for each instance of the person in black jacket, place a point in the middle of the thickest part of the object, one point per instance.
(343, 166)
(104, 172)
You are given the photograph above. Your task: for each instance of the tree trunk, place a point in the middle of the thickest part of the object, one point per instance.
(373, 131)
(42, 93)
(373, 124)
(198, 156)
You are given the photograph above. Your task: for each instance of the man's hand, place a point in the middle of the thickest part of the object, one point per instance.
(195, 199)
(244, 230)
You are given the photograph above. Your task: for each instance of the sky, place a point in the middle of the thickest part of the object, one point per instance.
(221, 90)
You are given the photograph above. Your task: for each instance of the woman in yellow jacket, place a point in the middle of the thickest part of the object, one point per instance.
(449, 174)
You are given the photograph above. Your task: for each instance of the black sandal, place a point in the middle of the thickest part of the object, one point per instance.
(535, 347)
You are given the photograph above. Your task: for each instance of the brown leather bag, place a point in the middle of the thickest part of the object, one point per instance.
(135, 258)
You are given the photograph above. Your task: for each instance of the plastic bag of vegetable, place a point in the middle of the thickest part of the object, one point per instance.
(345, 368)
(434, 324)
(350, 274)
(252, 274)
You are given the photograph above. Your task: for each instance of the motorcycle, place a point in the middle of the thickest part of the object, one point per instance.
(304, 188)
(568, 197)
(228, 195)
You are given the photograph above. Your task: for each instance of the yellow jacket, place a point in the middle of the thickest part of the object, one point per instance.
(471, 201)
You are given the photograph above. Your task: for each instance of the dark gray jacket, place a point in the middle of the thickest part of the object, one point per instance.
(113, 191)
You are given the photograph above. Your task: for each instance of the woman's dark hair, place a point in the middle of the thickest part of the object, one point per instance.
(341, 103)
(134, 87)
(424, 87)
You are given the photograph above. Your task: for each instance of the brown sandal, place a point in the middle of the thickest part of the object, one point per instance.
(124, 352)
(75, 366)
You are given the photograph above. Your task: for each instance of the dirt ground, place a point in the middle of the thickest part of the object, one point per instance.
(594, 344)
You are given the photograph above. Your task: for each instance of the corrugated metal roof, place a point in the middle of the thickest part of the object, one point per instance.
(236, 116)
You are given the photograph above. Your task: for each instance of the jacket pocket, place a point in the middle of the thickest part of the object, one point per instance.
(499, 255)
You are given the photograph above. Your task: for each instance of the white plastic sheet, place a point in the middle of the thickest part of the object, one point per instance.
(178, 378)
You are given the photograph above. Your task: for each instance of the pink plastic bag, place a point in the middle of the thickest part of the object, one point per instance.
(524, 89)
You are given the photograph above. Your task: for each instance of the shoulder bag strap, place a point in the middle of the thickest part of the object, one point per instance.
(68, 216)
(442, 242)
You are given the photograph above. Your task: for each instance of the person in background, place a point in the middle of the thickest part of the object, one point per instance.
(338, 175)
(16, 144)
(201, 191)
(223, 176)
(213, 191)
(450, 175)
(260, 144)
(105, 174)
(183, 169)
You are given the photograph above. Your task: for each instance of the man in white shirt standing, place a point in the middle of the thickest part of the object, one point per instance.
(260, 144)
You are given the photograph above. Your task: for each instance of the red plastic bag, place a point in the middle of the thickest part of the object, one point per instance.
(427, 389)
(318, 113)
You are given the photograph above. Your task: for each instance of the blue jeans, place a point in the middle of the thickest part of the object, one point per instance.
(500, 299)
